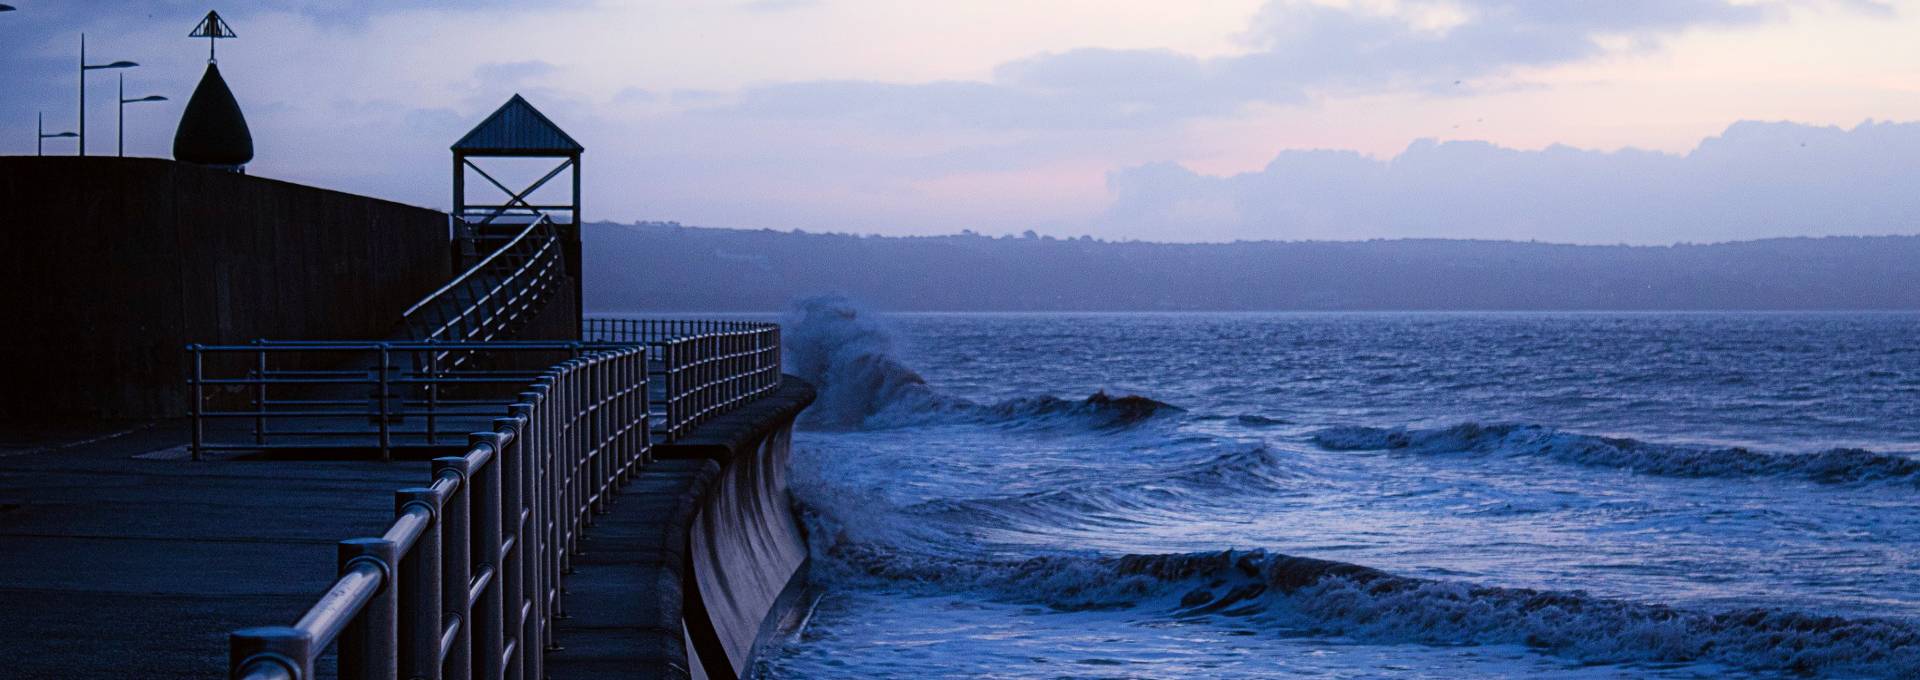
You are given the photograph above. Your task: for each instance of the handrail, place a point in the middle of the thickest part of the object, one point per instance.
(408, 393)
(508, 286)
(477, 266)
(466, 580)
(324, 394)
(408, 345)
(701, 369)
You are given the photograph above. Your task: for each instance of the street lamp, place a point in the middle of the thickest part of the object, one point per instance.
(121, 139)
(40, 128)
(84, 68)
(6, 8)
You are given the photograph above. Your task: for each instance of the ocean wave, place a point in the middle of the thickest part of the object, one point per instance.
(1307, 596)
(850, 356)
(1251, 420)
(1239, 471)
(1100, 410)
(1832, 466)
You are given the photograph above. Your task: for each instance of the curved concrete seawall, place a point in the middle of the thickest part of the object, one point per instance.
(746, 551)
(686, 584)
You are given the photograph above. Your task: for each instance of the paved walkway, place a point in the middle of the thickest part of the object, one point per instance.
(623, 601)
(119, 558)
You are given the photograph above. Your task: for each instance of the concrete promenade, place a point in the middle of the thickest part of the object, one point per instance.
(624, 604)
(120, 558)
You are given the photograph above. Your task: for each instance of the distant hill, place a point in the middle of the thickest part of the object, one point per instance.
(668, 267)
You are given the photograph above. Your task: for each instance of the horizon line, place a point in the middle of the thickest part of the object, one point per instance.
(1088, 238)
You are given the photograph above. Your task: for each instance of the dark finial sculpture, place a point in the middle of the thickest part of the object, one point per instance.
(212, 28)
(213, 131)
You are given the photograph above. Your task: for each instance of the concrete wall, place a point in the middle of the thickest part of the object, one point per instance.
(112, 265)
(747, 550)
(746, 555)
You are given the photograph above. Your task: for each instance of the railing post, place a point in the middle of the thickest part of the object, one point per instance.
(523, 607)
(489, 629)
(670, 389)
(633, 441)
(563, 472)
(456, 564)
(513, 541)
(602, 464)
(644, 364)
(547, 420)
(709, 376)
(433, 393)
(260, 396)
(419, 582)
(369, 645)
(194, 400)
(283, 648)
(644, 359)
(683, 378)
(715, 386)
(386, 426)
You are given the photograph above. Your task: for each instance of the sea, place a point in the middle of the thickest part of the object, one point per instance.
(1356, 495)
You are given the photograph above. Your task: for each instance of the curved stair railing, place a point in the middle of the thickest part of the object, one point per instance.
(497, 296)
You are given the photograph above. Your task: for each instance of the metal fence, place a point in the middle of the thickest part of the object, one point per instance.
(339, 394)
(700, 369)
(497, 295)
(466, 581)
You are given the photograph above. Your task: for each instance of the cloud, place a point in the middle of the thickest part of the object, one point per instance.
(777, 5)
(1309, 44)
(513, 73)
(365, 97)
(1754, 180)
(1299, 47)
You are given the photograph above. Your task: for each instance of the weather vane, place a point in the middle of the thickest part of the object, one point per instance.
(212, 28)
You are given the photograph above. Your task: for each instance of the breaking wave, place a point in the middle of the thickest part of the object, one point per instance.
(851, 358)
(1306, 596)
(1832, 466)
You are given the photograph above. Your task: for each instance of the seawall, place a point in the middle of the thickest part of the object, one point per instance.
(701, 560)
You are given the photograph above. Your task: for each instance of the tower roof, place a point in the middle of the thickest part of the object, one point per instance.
(213, 131)
(516, 128)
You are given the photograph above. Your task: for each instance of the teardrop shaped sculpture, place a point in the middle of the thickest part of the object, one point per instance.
(213, 131)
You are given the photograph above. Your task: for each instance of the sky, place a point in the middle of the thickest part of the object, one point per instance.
(1604, 121)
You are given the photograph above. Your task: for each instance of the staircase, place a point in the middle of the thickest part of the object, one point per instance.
(495, 298)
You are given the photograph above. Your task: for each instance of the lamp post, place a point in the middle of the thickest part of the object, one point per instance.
(40, 129)
(84, 68)
(121, 138)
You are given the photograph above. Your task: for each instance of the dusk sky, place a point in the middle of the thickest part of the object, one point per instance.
(1637, 121)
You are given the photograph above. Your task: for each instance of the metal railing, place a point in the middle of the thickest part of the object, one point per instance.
(466, 581)
(497, 295)
(699, 369)
(332, 394)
